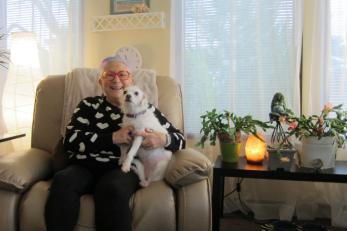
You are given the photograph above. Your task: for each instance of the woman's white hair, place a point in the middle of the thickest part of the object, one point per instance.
(111, 59)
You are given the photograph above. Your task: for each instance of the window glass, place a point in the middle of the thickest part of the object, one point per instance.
(236, 55)
(55, 27)
(337, 68)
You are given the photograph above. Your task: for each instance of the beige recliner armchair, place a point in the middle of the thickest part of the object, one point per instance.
(181, 202)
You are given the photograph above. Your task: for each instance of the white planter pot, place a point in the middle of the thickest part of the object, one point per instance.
(314, 149)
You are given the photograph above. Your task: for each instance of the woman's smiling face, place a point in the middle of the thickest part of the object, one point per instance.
(115, 77)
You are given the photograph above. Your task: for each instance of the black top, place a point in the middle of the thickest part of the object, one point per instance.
(89, 134)
(242, 169)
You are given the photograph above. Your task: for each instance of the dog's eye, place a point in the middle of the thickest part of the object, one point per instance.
(125, 92)
(136, 93)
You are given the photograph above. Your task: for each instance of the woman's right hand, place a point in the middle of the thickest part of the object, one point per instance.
(123, 135)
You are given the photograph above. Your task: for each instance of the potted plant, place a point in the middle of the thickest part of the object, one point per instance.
(321, 135)
(227, 127)
(281, 150)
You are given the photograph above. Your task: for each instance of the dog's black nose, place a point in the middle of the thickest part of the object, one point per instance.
(128, 97)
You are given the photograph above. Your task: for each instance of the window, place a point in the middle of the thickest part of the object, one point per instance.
(236, 55)
(44, 37)
(57, 25)
(336, 91)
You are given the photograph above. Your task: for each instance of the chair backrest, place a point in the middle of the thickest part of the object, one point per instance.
(49, 102)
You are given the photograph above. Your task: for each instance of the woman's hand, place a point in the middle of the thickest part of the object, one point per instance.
(123, 135)
(152, 139)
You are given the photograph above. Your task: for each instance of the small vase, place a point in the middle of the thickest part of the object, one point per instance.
(318, 153)
(281, 160)
(230, 152)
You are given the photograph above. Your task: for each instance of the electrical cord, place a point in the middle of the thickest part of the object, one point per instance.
(243, 208)
(232, 191)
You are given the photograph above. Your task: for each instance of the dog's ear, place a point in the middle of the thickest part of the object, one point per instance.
(122, 102)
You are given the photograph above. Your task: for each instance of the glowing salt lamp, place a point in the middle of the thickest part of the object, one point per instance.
(255, 149)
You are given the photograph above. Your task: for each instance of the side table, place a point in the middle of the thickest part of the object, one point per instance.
(244, 170)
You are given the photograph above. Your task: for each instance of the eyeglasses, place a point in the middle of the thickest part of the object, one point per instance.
(110, 75)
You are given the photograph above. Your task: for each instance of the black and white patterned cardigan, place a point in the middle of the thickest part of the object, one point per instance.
(89, 134)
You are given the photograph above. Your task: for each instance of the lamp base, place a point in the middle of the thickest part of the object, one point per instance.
(252, 162)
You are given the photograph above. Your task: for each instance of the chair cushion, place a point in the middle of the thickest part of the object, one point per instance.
(20, 169)
(170, 100)
(187, 166)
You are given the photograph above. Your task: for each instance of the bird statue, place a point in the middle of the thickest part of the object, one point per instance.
(279, 111)
(278, 105)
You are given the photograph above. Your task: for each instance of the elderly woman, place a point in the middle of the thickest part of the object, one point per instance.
(92, 143)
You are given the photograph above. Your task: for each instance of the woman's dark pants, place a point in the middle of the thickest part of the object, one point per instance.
(111, 189)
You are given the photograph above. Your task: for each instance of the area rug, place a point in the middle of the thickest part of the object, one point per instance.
(291, 226)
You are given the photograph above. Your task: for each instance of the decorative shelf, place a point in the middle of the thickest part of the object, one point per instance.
(152, 20)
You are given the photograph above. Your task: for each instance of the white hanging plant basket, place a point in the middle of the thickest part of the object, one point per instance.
(318, 153)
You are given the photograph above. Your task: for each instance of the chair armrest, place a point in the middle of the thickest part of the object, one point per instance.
(187, 166)
(19, 170)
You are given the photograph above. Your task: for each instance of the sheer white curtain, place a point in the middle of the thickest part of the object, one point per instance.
(236, 55)
(315, 56)
(325, 80)
(58, 28)
(325, 61)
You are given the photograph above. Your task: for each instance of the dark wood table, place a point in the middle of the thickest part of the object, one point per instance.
(244, 170)
(8, 137)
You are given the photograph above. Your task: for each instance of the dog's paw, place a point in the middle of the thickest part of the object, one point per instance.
(132, 167)
(120, 161)
(126, 166)
(144, 183)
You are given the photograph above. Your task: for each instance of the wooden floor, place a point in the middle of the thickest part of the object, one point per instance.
(239, 223)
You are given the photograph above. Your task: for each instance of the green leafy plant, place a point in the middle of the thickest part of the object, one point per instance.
(332, 122)
(227, 127)
(4, 55)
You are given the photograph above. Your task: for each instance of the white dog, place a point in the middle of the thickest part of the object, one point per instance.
(153, 162)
